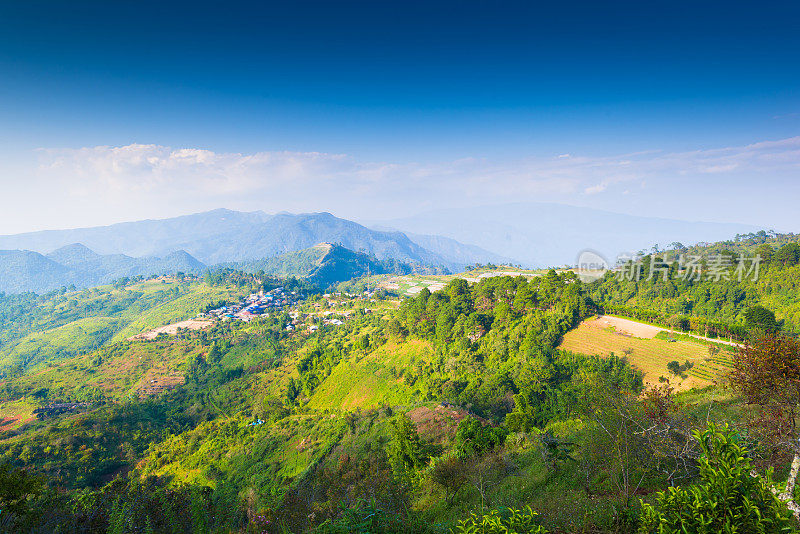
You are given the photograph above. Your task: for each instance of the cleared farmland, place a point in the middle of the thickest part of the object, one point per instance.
(651, 356)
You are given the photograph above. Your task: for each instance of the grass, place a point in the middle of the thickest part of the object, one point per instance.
(73, 338)
(178, 309)
(74, 323)
(262, 456)
(13, 414)
(117, 372)
(650, 355)
(370, 380)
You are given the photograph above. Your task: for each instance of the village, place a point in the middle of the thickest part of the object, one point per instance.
(254, 305)
(328, 309)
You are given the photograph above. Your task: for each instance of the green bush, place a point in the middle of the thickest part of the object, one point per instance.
(502, 521)
(729, 499)
(473, 437)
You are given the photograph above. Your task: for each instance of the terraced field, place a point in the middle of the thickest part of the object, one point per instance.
(651, 356)
(713, 369)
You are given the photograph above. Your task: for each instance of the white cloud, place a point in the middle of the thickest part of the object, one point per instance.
(107, 183)
(594, 189)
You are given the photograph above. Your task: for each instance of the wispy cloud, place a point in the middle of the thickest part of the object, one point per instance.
(155, 180)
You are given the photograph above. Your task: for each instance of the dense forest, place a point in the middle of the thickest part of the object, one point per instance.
(712, 304)
(451, 411)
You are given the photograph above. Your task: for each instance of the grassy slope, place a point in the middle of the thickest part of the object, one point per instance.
(74, 337)
(178, 309)
(263, 454)
(373, 379)
(121, 314)
(15, 413)
(119, 374)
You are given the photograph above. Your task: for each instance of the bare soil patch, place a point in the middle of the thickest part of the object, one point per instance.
(438, 424)
(626, 326)
(172, 329)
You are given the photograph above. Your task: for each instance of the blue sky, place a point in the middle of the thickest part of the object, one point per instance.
(122, 110)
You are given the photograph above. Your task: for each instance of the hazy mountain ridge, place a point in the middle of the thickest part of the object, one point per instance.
(456, 251)
(540, 234)
(221, 236)
(138, 238)
(76, 264)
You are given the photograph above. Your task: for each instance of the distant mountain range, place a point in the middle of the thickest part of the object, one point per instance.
(75, 264)
(40, 261)
(224, 236)
(539, 234)
(533, 234)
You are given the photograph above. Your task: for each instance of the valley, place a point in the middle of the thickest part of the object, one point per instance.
(246, 393)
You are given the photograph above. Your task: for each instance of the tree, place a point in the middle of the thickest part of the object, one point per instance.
(396, 330)
(787, 255)
(674, 367)
(405, 452)
(766, 373)
(474, 437)
(16, 488)
(451, 474)
(555, 451)
(729, 498)
(765, 252)
(758, 317)
(523, 418)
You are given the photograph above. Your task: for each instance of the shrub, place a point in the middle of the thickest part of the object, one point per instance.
(729, 499)
(501, 521)
(474, 437)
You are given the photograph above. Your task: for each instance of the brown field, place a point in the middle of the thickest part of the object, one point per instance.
(438, 424)
(596, 337)
(627, 326)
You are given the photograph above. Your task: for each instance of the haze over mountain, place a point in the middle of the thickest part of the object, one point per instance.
(534, 234)
(40, 261)
(224, 236)
(75, 264)
(545, 234)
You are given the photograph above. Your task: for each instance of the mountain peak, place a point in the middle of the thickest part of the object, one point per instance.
(73, 254)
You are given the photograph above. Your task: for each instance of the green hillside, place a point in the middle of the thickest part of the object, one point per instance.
(401, 416)
(324, 265)
(35, 329)
(713, 304)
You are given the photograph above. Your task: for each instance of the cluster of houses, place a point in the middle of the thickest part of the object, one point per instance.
(256, 304)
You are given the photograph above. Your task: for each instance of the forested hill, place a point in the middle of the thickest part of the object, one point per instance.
(77, 265)
(265, 426)
(447, 412)
(324, 264)
(709, 288)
